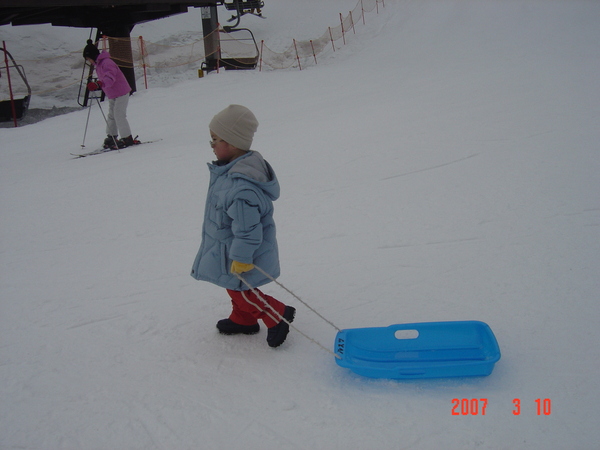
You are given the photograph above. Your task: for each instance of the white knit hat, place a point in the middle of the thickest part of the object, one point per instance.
(236, 125)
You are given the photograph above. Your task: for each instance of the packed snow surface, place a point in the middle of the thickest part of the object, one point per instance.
(442, 165)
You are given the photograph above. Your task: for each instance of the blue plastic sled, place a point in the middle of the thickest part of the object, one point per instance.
(419, 350)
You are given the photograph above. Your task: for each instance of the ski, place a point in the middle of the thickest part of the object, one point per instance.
(99, 151)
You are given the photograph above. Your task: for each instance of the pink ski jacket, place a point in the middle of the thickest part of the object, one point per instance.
(114, 83)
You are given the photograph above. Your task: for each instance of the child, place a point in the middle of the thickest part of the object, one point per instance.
(239, 230)
(114, 84)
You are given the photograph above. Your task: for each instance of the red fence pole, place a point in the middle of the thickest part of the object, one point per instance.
(218, 47)
(262, 43)
(297, 57)
(331, 37)
(313, 50)
(362, 9)
(142, 51)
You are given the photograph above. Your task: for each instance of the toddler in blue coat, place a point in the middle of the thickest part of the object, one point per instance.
(238, 231)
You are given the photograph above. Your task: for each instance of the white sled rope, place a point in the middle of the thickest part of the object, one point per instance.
(278, 317)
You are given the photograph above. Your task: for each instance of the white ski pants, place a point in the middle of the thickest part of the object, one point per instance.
(116, 122)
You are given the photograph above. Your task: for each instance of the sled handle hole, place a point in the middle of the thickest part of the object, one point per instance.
(406, 334)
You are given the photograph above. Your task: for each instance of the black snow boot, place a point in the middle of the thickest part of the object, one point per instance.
(109, 142)
(227, 326)
(277, 334)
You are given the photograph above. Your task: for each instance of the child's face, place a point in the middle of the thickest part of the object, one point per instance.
(224, 151)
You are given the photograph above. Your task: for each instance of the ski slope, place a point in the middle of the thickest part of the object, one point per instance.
(442, 165)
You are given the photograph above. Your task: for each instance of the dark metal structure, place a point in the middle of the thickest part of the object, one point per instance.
(93, 13)
(114, 18)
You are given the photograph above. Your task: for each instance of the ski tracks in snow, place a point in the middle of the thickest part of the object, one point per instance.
(426, 169)
(92, 322)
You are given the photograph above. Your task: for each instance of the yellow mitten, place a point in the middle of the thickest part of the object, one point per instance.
(238, 267)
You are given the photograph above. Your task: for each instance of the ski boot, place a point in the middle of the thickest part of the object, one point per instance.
(109, 141)
(128, 141)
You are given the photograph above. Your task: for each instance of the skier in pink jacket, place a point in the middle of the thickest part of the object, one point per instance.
(114, 84)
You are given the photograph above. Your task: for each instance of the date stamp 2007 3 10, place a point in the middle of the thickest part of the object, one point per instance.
(479, 406)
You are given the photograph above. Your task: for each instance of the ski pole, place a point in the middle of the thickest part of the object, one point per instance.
(86, 125)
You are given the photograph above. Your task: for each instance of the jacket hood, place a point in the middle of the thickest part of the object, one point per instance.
(253, 168)
(102, 56)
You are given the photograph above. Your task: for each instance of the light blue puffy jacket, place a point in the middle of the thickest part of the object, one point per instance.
(238, 223)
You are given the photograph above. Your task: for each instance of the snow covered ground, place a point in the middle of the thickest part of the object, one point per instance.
(443, 165)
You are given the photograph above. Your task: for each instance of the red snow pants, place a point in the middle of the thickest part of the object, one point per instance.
(246, 313)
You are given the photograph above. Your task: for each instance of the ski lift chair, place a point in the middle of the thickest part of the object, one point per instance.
(21, 105)
(232, 58)
(244, 7)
